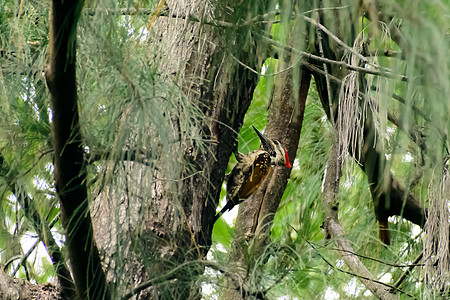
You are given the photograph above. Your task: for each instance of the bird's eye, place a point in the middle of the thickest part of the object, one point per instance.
(277, 142)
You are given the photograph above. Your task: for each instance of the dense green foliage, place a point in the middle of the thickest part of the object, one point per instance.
(129, 108)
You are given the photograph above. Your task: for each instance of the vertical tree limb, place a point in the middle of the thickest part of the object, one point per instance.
(284, 123)
(334, 230)
(255, 215)
(70, 172)
(389, 197)
(370, 157)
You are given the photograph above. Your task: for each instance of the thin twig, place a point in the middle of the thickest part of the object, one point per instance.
(325, 8)
(334, 37)
(408, 271)
(261, 74)
(359, 276)
(139, 156)
(162, 13)
(26, 255)
(387, 53)
(403, 101)
(383, 71)
(379, 260)
(244, 65)
(369, 257)
(11, 260)
(345, 46)
(337, 40)
(327, 79)
(342, 64)
(276, 282)
(37, 161)
(156, 13)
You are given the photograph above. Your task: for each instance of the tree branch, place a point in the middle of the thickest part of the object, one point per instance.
(393, 288)
(252, 224)
(284, 124)
(413, 134)
(408, 271)
(343, 64)
(382, 71)
(70, 173)
(399, 204)
(162, 13)
(334, 230)
(26, 255)
(137, 155)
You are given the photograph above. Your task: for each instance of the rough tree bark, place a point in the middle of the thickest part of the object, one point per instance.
(176, 227)
(14, 288)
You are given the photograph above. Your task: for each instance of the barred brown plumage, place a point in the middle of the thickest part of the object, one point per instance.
(251, 170)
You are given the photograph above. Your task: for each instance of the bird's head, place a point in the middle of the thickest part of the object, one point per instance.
(277, 152)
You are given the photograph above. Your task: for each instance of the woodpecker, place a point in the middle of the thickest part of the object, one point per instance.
(251, 170)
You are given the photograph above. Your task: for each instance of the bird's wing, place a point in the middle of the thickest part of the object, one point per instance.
(259, 170)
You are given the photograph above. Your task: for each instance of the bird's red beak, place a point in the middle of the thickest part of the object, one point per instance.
(287, 164)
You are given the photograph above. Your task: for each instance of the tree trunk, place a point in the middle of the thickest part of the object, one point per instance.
(167, 223)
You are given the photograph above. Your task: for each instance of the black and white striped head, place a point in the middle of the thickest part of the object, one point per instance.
(277, 152)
